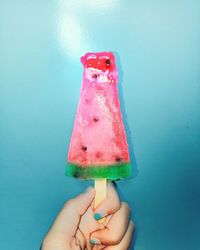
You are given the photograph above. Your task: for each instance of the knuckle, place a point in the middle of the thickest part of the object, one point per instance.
(114, 206)
(132, 225)
(114, 239)
(126, 206)
(118, 204)
(69, 203)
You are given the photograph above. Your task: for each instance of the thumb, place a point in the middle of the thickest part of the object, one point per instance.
(68, 219)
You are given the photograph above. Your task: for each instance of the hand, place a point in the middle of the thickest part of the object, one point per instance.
(76, 227)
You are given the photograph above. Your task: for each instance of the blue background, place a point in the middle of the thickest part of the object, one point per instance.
(158, 49)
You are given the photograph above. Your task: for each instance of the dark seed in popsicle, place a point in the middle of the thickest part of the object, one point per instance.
(118, 159)
(84, 148)
(108, 62)
(95, 76)
(95, 119)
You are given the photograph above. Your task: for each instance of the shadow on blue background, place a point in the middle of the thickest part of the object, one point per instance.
(130, 139)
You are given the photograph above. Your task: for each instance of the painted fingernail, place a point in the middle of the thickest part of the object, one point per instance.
(95, 241)
(97, 216)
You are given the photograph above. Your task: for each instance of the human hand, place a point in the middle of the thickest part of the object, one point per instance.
(76, 227)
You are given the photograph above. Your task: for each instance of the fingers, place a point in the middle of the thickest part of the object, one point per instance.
(110, 205)
(68, 219)
(126, 241)
(116, 228)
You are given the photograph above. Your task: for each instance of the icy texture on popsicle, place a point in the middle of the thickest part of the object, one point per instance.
(98, 146)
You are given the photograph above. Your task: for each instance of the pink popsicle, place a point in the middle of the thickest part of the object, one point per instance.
(98, 146)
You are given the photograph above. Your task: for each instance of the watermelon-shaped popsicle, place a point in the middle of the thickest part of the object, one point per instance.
(98, 146)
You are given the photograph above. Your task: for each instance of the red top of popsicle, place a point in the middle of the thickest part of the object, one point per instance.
(104, 61)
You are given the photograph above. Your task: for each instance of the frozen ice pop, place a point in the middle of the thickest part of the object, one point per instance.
(98, 146)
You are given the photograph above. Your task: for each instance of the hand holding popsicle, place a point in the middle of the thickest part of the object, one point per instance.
(76, 226)
(98, 151)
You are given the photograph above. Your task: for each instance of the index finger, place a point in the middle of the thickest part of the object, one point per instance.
(110, 205)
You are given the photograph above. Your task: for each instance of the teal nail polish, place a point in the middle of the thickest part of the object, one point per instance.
(95, 241)
(97, 216)
(92, 242)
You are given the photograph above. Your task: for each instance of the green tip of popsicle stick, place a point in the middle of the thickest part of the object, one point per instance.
(112, 172)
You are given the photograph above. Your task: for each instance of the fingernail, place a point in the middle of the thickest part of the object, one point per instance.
(95, 241)
(97, 216)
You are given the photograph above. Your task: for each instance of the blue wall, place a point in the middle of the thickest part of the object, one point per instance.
(158, 43)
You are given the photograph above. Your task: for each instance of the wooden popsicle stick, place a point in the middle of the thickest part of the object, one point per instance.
(100, 186)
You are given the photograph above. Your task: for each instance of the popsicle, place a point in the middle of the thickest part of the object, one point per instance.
(98, 148)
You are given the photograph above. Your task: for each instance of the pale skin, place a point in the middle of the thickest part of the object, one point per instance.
(76, 228)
